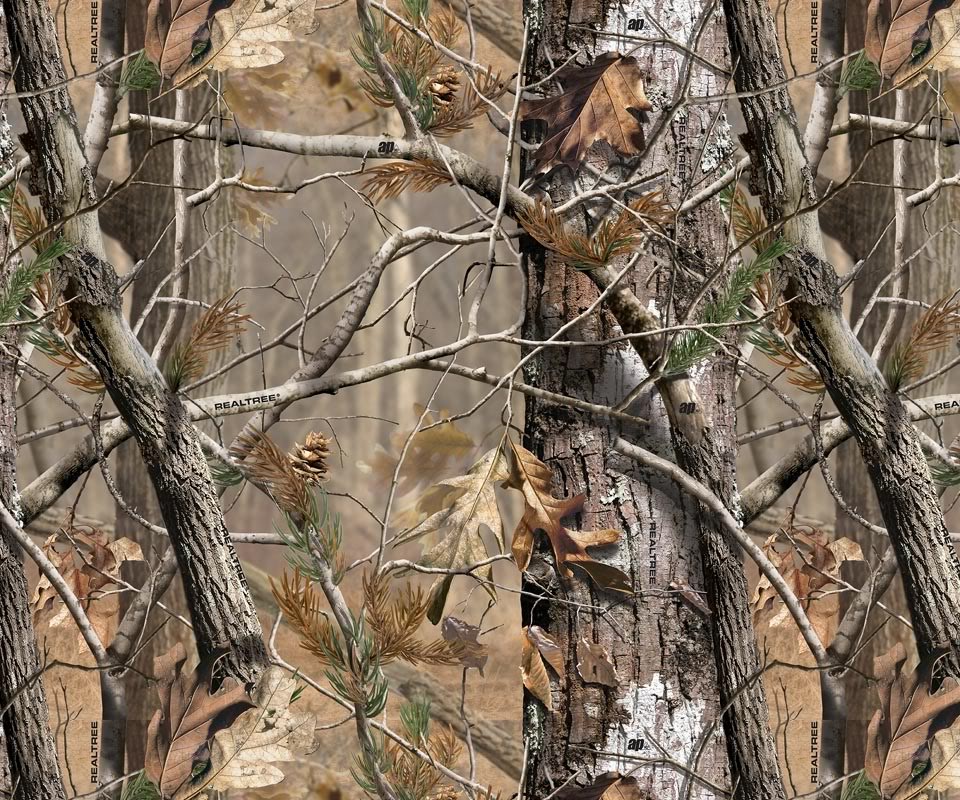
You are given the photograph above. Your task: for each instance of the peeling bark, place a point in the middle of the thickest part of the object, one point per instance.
(671, 679)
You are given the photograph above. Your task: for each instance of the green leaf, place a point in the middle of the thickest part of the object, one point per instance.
(140, 788)
(860, 788)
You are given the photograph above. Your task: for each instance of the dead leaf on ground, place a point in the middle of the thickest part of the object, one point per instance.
(594, 664)
(595, 105)
(545, 512)
(466, 636)
(903, 750)
(458, 509)
(538, 650)
(188, 717)
(906, 37)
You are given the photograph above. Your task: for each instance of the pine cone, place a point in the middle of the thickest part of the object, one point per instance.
(310, 460)
(443, 85)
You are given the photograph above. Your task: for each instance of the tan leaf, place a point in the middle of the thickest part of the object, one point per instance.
(906, 37)
(595, 105)
(254, 208)
(534, 672)
(189, 716)
(810, 564)
(243, 36)
(594, 664)
(545, 512)
(90, 564)
(548, 648)
(433, 453)
(901, 734)
(245, 754)
(467, 503)
(943, 774)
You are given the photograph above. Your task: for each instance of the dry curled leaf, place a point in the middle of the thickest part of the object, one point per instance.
(904, 753)
(596, 104)
(810, 564)
(538, 650)
(594, 664)
(90, 564)
(466, 637)
(458, 509)
(545, 512)
(245, 755)
(179, 734)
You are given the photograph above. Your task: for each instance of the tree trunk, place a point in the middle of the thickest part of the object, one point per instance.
(28, 763)
(140, 216)
(870, 210)
(889, 445)
(669, 682)
(223, 612)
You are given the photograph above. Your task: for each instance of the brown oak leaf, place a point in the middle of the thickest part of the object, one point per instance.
(596, 104)
(179, 734)
(545, 512)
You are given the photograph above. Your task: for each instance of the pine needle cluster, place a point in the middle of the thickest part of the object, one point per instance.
(937, 327)
(412, 777)
(693, 346)
(395, 619)
(219, 325)
(613, 237)
(268, 465)
(442, 104)
(387, 181)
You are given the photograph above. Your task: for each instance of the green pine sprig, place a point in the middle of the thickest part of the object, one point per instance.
(859, 75)
(691, 347)
(860, 788)
(25, 277)
(139, 75)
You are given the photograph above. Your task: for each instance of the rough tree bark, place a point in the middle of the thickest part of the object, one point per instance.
(888, 443)
(28, 764)
(936, 273)
(137, 220)
(222, 609)
(669, 676)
